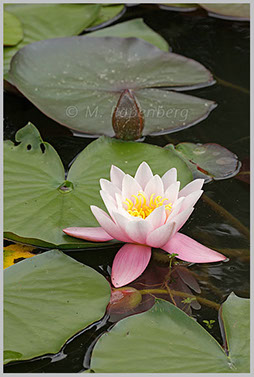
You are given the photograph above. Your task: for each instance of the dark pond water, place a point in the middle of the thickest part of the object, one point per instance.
(223, 47)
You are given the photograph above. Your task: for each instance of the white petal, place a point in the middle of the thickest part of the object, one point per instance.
(122, 222)
(154, 186)
(138, 230)
(143, 174)
(176, 208)
(108, 224)
(181, 218)
(157, 217)
(172, 192)
(191, 199)
(109, 202)
(169, 177)
(130, 187)
(191, 187)
(109, 187)
(161, 235)
(116, 176)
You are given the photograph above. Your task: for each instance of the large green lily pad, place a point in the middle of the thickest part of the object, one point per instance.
(13, 32)
(40, 201)
(44, 21)
(208, 161)
(81, 89)
(166, 340)
(47, 299)
(133, 28)
(236, 12)
(108, 14)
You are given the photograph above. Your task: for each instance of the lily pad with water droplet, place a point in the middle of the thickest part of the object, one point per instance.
(47, 299)
(44, 21)
(45, 201)
(13, 32)
(166, 340)
(133, 28)
(208, 161)
(236, 12)
(81, 89)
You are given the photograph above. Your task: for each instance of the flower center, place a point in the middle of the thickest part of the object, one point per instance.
(141, 208)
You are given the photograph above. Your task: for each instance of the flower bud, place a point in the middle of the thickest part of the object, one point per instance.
(124, 299)
(127, 119)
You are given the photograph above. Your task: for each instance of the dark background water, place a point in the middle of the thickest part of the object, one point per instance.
(223, 47)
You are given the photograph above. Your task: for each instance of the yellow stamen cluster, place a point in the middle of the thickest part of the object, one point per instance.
(141, 209)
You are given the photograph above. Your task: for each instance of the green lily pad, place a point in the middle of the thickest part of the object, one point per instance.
(13, 32)
(240, 12)
(47, 299)
(108, 14)
(81, 89)
(133, 28)
(208, 161)
(40, 201)
(44, 21)
(235, 317)
(176, 342)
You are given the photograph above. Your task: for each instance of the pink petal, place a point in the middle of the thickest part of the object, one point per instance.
(191, 187)
(89, 234)
(129, 263)
(143, 174)
(154, 186)
(169, 177)
(190, 250)
(130, 187)
(172, 192)
(108, 224)
(109, 187)
(116, 176)
(191, 199)
(161, 235)
(138, 230)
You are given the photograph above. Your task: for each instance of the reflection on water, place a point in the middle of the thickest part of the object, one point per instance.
(220, 220)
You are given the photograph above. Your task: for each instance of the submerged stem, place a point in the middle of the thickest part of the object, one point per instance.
(223, 212)
(181, 294)
(230, 85)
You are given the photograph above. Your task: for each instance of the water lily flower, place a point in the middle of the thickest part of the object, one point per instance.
(144, 212)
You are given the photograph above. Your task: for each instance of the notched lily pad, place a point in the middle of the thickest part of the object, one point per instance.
(235, 12)
(244, 173)
(81, 89)
(45, 201)
(47, 299)
(177, 343)
(208, 161)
